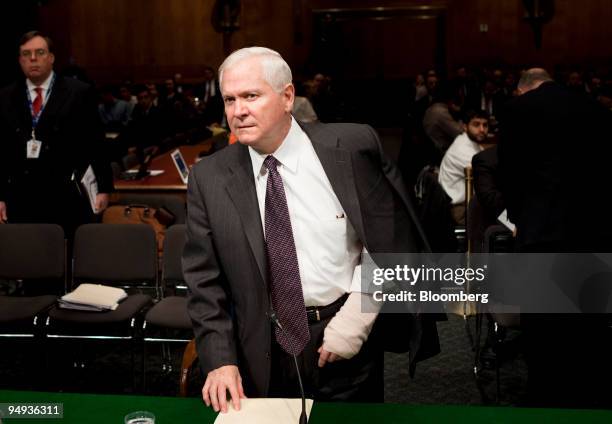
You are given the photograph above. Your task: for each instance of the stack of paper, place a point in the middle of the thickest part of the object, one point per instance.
(93, 297)
(265, 411)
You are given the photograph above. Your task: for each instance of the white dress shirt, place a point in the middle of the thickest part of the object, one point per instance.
(45, 88)
(452, 169)
(327, 246)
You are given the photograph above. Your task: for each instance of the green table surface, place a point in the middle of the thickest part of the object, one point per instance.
(110, 409)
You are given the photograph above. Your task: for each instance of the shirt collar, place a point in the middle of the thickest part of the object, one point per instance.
(288, 153)
(45, 85)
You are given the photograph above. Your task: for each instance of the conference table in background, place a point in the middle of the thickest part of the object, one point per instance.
(170, 181)
(110, 409)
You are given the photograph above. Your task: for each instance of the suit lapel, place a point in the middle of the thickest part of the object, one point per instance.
(338, 167)
(241, 189)
(23, 115)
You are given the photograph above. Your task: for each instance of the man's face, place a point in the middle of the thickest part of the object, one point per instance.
(125, 94)
(259, 116)
(574, 79)
(152, 88)
(169, 86)
(477, 129)
(432, 83)
(108, 98)
(209, 75)
(36, 60)
(489, 88)
(144, 99)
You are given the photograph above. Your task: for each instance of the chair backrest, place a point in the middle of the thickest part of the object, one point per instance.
(174, 243)
(32, 251)
(174, 203)
(498, 239)
(434, 211)
(115, 253)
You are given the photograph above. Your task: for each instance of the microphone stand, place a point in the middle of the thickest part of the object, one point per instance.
(303, 417)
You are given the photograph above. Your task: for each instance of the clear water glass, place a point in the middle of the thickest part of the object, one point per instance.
(140, 417)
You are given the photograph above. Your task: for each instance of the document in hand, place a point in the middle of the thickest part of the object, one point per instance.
(90, 184)
(503, 218)
(93, 297)
(265, 411)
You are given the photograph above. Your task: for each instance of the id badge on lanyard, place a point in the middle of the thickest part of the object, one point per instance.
(34, 146)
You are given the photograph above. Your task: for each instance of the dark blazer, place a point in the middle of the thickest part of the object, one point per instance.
(487, 184)
(224, 260)
(554, 159)
(72, 137)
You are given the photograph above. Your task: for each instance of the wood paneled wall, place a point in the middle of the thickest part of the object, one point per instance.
(578, 34)
(153, 39)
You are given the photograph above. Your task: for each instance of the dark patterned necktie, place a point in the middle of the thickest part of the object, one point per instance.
(37, 103)
(286, 286)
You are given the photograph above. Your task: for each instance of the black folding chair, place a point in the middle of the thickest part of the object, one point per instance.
(168, 321)
(32, 261)
(33, 257)
(111, 254)
(496, 239)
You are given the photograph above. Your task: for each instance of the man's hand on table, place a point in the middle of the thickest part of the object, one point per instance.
(218, 382)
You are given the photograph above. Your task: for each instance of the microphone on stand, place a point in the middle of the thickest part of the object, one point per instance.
(303, 417)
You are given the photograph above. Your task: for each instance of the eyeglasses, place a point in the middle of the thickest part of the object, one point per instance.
(38, 53)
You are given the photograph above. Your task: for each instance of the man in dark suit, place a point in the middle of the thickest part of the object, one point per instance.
(554, 154)
(50, 133)
(279, 221)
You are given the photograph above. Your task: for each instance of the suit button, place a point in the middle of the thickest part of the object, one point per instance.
(267, 355)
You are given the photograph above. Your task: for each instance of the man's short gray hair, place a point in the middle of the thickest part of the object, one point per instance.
(275, 70)
(533, 77)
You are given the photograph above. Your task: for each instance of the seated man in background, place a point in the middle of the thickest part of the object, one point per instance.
(114, 113)
(459, 156)
(146, 127)
(439, 123)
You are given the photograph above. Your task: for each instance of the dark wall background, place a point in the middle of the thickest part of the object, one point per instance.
(372, 47)
(145, 39)
(18, 17)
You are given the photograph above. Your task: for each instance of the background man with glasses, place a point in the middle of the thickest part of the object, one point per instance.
(50, 133)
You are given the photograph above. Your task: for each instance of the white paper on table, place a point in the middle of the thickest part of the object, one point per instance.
(90, 184)
(152, 172)
(265, 411)
(503, 218)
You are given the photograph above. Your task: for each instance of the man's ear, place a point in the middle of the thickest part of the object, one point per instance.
(289, 97)
(52, 58)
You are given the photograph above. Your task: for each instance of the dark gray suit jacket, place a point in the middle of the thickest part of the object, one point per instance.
(225, 262)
